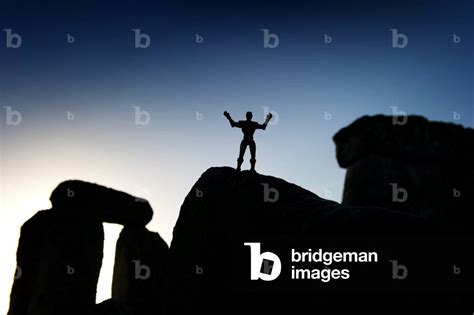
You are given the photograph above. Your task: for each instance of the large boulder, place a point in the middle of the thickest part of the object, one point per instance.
(225, 208)
(409, 164)
(59, 259)
(105, 204)
(411, 138)
(139, 270)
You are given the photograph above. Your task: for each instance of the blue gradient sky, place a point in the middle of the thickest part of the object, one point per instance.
(101, 76)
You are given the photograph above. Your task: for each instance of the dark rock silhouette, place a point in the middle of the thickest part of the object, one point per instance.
(140, 262)
(110, 307)
(60, 254)
(207, 266)
(225, 208)
(427, 163)
(105, 204)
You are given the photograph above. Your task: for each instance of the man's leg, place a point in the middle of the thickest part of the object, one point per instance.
(253, 153)
(240, 160)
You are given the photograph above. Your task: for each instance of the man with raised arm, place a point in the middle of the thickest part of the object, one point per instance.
(248, 129)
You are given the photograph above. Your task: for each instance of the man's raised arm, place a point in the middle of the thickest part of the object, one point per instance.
(267, 120)
(232, 122)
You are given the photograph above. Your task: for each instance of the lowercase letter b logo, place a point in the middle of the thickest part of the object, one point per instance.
(265, 266)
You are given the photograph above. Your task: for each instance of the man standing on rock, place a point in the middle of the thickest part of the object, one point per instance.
(248, 129)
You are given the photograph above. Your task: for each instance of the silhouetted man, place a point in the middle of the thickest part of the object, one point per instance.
(248, 129)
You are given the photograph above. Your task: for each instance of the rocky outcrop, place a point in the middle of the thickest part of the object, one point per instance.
(417, 166)
(105, 204)
(59, 258)
(226, 208)
(406, 186)
(139, 270)
(60, 254)
(416, 139)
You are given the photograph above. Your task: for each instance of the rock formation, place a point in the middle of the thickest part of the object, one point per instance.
(207, 267)
(417, 166)
(60, 254)
(226, 208)
(105, 204)
(139, 270)
(59, 258)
